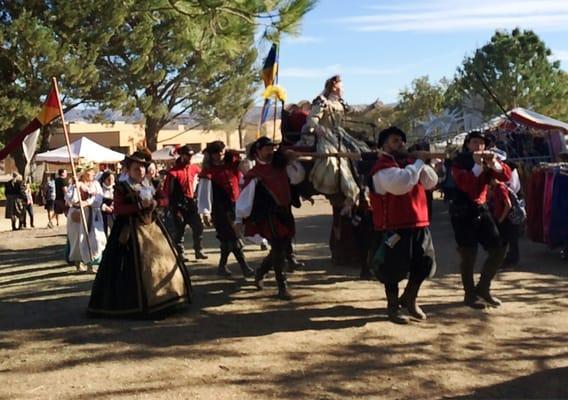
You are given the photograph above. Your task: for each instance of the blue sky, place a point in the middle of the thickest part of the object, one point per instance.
(380, 46)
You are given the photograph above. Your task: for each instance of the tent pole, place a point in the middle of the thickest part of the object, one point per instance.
(74, 172)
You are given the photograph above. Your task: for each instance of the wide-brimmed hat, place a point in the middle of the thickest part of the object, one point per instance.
(139, 156)
(214, 147)
(261, 142)
(185, 150)
(84, 166)
(386, 133)
(476, 135)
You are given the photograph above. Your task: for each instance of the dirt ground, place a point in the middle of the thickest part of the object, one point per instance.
(331, 342)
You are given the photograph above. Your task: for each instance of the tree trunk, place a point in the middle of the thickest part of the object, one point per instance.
(151, 130)
(46, 134)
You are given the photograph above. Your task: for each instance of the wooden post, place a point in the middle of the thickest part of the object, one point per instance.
(72, 162)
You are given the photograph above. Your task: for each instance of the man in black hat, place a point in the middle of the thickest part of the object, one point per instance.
(472, 170)
(403, 245)
(265, 207)
(218, 191)
(180, 185)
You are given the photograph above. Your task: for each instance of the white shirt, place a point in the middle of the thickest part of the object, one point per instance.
(515, 182)
(243, 208)
(399, 181)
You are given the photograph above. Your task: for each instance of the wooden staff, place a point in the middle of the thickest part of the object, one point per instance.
(72, 162)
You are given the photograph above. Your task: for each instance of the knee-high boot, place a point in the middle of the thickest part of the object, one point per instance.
(408, 300)
(225, 251)
(467, 264)
(240, 256)
(393, 307)
(494, 261)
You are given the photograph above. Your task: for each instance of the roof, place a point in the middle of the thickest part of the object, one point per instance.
(531, 119)
(85, 149)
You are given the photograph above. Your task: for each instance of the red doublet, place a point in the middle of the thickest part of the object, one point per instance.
(275, 181)
(225, 177)
(476, 187)
(185, 175)
(391, 212)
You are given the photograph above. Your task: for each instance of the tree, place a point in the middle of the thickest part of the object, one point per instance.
(196, 57)
(42, 39)
(418, 102)
(517, 66)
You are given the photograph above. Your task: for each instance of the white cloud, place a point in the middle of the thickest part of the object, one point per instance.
(462, 15)
(560, 55)
(304, 39)
(329, 70)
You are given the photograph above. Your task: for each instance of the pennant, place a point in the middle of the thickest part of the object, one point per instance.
(48, 113)
(29, 144)
(270, 67)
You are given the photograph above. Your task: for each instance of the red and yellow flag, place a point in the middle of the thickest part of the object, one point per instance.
(48, 113)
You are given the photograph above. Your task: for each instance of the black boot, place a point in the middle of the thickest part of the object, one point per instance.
(200, 256)
(468, 256)
(494, 260)
(293, 263)
(240, 256)
(222, 270)
(393, 308)
(283, 292)
(408, 300)
(261, 271)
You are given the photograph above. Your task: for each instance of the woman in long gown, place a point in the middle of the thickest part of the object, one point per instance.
(335, 178)
(140, 272)
(85, 251)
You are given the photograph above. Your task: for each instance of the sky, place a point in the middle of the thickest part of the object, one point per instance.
(380, 46)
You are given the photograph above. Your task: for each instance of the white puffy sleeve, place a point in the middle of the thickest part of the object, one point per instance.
(398, 181)
(96, 196)
(243, 208)
(428, 177)
(296, 172)
(204, 196)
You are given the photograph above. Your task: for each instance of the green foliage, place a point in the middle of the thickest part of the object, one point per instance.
(43, 39)
(418, 102)
(196, 57)
(518, 69)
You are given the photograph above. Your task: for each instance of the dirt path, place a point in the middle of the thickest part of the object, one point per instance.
(331, 342)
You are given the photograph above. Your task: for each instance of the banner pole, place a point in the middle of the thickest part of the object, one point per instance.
(74, 173)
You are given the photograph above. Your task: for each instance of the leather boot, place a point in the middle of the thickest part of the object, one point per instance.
(222, 270)
(293, 263)
(408, 300)
(239, 255)
(468, 256)
(494, 260)
(199, 255)
(261, 271)
(283, 292)
(393, 308)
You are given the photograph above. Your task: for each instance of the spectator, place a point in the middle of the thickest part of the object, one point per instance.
(28, 206)
(61, 185)
(49, 194)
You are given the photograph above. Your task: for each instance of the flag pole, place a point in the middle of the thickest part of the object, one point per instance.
(275, 82)
(76, 180)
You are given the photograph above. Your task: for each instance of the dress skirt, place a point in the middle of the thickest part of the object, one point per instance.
(140, 272)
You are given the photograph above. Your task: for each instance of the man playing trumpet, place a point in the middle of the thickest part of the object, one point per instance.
(472, 222)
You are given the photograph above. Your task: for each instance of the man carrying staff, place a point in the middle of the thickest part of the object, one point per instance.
(472, 170)
(264, 206)
(180, 184)
(218, 191)
(403, 243)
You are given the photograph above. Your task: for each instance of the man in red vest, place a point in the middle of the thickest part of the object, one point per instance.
(472, 170)
(217, 194)
(180, 184)
(265, 207)
(403, 243)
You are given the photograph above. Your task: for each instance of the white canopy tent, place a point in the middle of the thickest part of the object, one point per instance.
(166, 153)
(84, 149)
